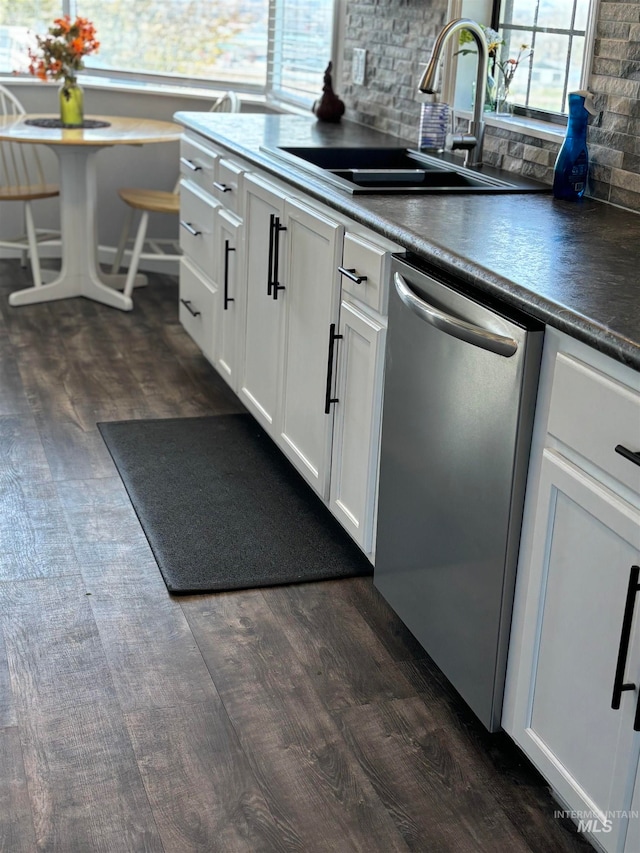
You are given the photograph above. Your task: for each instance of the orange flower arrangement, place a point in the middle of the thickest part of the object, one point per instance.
(60, 53)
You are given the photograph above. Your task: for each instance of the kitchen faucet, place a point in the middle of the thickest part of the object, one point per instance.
(472, 140)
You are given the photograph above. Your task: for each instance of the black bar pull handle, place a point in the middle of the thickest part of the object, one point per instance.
(270, 274)
(187, 305)
(190, 164)
(628, 454)
(352, 275)
(328, 399)
(224, 188)
(619, 684)
(227, 298)
(277, 228)
(189, 227)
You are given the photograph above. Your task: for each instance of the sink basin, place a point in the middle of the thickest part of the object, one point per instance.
(356, 158)
(397, 170)
(377, 180)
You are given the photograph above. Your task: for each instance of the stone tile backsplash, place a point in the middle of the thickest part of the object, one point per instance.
(398, 36)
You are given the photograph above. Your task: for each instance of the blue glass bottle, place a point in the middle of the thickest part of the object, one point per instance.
(572, 164)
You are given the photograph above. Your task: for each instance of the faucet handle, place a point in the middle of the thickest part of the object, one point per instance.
(463, 141)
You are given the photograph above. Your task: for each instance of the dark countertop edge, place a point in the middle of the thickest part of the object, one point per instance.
(551, 313)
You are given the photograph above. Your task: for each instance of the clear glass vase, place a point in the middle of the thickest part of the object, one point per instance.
(504, 107)
(71, 105)
(490, 95)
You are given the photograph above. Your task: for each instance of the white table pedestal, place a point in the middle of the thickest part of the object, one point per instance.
(80, 274)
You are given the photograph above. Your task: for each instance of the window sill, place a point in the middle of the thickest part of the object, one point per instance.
(253, 101)
(141, 87)
(522, 125)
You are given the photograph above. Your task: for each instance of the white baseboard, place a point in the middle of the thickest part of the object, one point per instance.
(105, 256)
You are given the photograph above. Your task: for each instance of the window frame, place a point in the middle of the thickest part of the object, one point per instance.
(538, 114)
(270, 91)
(275, 90)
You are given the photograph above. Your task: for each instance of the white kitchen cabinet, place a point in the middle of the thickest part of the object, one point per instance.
(357, 393)
(359, 359)
(360, 353)
(264, 245)
(197, 287)
(632, 841)
(227, 186)
(292, 290)
(366, 264)
(261, 285)
(298, 260)
(310, 298)
(197, 224)
(210, 237)
(585, 551)
(580, 544)
(198, 160)
(196, 310)
(228, 308)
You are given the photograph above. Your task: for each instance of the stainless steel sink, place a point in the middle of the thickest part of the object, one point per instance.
(398, 170)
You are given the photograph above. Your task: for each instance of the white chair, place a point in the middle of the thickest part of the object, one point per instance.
(155, 201)
(22, 179)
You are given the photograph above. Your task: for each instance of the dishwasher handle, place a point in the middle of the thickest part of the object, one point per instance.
(467, 332)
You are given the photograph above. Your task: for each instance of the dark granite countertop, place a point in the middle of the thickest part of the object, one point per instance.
(573, 266)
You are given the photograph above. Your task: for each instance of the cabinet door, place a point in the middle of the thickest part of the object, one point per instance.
(197, 227)
(198, 161)
(314, 250)
(632, 844)
(586, 541)
(356, 430)
(228, 186)
(198, 299)
(227, 340)
(259, 386)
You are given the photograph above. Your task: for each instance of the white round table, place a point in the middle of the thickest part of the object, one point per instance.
(77, 149)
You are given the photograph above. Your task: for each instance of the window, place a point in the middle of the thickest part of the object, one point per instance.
(302, 42)
(556, 31)
(223, 40)
(270, 45)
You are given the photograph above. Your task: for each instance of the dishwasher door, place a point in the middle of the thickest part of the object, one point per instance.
(460, 387)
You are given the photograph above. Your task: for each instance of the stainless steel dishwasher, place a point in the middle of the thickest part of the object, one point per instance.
(461, 379)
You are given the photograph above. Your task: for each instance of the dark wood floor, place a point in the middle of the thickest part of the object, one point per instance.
(299, 718)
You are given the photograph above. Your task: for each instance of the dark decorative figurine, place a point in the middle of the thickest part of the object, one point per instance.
(329, 107)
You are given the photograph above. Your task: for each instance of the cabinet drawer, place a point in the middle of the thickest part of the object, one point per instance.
(197, 218)
(370, 263)
(228, 186)
(197, 163)
(197, 306)
(594, 414)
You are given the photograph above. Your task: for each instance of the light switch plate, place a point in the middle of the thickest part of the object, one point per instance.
(358, 67)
